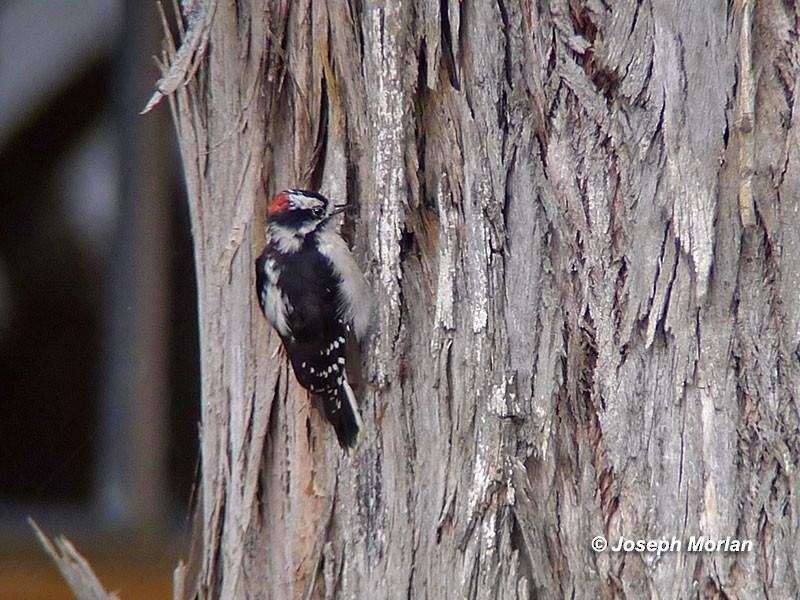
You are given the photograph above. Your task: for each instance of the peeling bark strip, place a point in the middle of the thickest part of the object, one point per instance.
(74, 568)
(585, 328)
(746, 115)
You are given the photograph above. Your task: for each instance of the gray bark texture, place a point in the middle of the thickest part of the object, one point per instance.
(581, 226)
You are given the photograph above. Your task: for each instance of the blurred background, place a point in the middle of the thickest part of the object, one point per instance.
(99, 376)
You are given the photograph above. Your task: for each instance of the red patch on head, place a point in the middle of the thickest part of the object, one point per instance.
(279, 203)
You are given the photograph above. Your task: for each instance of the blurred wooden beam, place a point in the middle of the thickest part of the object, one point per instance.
(132, 467)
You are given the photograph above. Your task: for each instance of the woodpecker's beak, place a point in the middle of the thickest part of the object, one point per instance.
(336, 210)
(340, 209)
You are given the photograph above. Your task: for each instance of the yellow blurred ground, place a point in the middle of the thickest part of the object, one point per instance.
(133, 570)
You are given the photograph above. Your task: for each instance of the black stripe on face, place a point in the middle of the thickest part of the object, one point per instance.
(294, 218)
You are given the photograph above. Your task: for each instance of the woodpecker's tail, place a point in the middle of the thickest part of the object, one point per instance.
(341, 410)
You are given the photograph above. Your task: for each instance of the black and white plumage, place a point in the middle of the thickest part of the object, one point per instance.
(314, 295)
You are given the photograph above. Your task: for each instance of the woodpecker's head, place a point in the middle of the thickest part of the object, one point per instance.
(296, 214)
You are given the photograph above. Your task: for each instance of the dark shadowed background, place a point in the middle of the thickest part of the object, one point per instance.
(98, 346)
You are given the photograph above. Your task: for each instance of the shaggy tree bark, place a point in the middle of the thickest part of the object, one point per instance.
(581, 226)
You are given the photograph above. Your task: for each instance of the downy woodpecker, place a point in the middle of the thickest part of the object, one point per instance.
(314, 295)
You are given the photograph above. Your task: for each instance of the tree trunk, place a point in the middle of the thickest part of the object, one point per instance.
(580, 224)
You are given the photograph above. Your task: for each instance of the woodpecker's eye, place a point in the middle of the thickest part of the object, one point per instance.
(318, 211)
